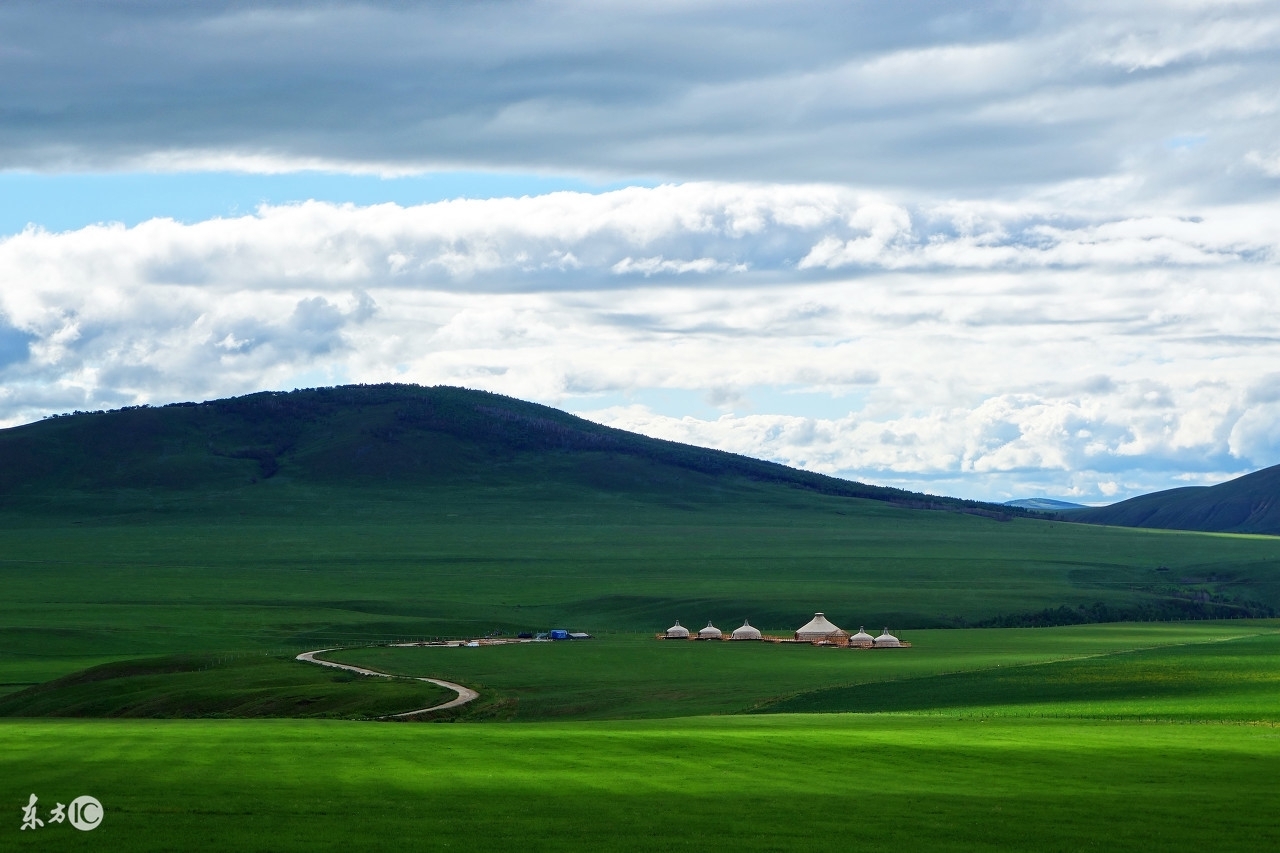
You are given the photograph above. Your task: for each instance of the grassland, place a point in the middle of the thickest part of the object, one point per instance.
(1186, 671)
(310, 570)
(945, 776)
(1174, 746)
(746, 783)
(636, 678)
(1228, 679)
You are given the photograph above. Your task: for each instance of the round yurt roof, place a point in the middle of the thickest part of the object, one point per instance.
(677, 630)
(818, 626)
(746, 632)
(862, 636)
(887, 639)
(710, 631)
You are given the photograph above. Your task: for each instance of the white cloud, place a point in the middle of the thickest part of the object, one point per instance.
(1179, 32)
(1268, 164)
(980, 349)
(658, 264)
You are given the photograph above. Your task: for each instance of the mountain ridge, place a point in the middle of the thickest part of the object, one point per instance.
(1044, 504)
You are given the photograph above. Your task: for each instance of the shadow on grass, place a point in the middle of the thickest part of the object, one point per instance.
(1231, 680)
(219, 686)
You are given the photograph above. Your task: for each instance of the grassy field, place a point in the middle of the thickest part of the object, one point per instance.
(750, 783)
(280, 576)
(1198, 670)
(634, 677)
(1228, 679)
(945, 773)
(1173, 744)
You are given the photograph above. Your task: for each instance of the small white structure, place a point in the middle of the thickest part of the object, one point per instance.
(677, 632)
(711, 632)
(887, 641)
(862, 639)
(746, 632)
(818, 628)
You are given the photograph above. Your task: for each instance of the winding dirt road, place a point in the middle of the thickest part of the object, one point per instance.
(465, 694)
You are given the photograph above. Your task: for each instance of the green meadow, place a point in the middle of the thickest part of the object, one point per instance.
(304, 568)
(1227, 679)
(776, 783)
(1124, 736)
(630, 677)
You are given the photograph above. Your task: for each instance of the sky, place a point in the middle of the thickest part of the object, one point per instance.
(993, 250)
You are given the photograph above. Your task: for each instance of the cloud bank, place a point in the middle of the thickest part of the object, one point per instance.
(988, 349)
(1175, 100)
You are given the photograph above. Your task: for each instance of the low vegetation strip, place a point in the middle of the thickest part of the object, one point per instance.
(465, 694)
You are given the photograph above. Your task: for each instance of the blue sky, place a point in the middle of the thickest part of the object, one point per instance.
(994, 250)
(64, 201)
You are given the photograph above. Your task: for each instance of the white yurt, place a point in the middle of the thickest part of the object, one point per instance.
(711, 632)
(887, 641)
(818, 628)
(862, 639)
(677, 632)
(746, 632)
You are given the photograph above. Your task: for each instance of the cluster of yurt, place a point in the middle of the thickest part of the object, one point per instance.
(711, 632)
(863, 640)
(818, 630)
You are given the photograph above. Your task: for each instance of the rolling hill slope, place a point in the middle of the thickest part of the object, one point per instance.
(1248, 504)
(404, 436)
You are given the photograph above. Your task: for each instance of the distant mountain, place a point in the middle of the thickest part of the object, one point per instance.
(1248, 504)
(403, 437)
(1045, 504)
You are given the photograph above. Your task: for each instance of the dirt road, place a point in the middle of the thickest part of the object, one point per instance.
(465, 694)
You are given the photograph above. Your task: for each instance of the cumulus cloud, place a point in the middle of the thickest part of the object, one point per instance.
(919, 95)
(985, 349)
(565, 239)
(1002, 446)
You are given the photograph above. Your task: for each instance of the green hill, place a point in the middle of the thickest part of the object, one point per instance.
(1248, 504)
(361, 436)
